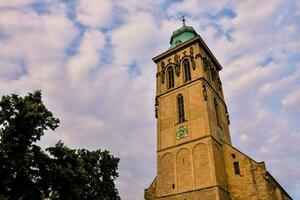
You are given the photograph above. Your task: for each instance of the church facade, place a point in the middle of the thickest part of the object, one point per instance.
(195, 157)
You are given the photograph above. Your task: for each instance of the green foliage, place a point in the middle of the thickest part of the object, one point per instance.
(28, 172)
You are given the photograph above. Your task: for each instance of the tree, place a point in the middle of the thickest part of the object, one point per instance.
(28, 172)
(90, 174)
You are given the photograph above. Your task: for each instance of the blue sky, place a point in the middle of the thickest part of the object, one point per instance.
(92, 60)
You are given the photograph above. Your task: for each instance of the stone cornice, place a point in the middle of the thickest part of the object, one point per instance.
(198, 39)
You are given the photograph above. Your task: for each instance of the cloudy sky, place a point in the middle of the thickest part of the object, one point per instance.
(92, 61)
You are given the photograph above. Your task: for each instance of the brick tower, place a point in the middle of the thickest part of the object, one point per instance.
(195, 158)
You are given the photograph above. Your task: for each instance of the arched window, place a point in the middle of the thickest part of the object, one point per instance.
(170, 77)
(217, 112)
(187, 70)
(180, 105)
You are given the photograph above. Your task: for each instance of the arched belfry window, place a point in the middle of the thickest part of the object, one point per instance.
(180, 105)
(170, 81)
(217, 112)
(187, 70)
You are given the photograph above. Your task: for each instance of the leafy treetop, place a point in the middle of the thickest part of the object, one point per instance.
(28, 172)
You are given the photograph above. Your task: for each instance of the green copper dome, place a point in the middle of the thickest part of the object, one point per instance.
(182, 35)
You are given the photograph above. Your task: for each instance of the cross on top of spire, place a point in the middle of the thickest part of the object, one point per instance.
(183, 20)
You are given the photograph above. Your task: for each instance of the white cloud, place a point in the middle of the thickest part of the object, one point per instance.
(292, 102)
(133, 6)
(250, 80)
(279, 86)
(35, 40)
(133, 40)
(95, 13)
(244, 138)
(15, 3)
(10, 70)
(88, 55)
(249, 12)
(196, 7)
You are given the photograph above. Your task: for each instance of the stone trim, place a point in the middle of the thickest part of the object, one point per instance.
(184, 45)
(194, 140)
(214, 186)
(269, 176)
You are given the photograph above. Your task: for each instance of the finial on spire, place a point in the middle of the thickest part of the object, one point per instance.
(183, 20)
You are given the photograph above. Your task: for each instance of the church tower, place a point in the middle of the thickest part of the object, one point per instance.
(195, 159)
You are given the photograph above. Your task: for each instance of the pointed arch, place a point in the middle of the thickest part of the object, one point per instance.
(170, 77)
(180, 105)
(216, 106)
(186, 69)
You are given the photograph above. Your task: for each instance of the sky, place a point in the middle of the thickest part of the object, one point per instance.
(92, 61)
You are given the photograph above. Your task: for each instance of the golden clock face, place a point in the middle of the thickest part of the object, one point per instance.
(181, 133)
